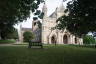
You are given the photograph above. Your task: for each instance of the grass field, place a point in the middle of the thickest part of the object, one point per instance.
(48, 55)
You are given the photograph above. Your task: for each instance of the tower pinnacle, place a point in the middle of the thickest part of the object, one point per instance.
(44, 9)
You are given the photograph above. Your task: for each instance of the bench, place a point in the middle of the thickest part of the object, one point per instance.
(37, 44)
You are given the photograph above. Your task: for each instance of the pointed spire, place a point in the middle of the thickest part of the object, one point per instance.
(64, 0)
(62, 4)
(61, 8)
(44, 9)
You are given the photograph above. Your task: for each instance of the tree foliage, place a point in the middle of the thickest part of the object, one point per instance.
(7, 33)
(89, 39)
(12, 35)
(28, 36)
(15, 11)
(81, 18)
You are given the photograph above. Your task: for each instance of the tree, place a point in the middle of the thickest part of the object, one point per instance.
(28, 36)
(15, 11)
(9, 33)
(89, 39)
(81, 18)
(12, 35)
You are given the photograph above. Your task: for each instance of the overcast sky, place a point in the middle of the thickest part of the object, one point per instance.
(51, 5)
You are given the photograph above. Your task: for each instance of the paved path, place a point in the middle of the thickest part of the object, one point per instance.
(6, 44)
(11, 45)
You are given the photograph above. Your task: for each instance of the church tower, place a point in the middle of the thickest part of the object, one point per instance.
(44, 10)
(60, 10)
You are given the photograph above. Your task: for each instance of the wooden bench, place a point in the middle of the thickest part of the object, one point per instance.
(37, 44)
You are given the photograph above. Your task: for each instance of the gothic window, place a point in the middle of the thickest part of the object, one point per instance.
(53, 39)
(75, 40)
(65, 39)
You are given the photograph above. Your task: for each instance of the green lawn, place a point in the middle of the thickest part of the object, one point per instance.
(48, 55)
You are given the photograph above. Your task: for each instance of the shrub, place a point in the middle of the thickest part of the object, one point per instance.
(89, 39)
(28, 36)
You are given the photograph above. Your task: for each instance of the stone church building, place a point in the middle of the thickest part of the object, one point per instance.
(46, 35)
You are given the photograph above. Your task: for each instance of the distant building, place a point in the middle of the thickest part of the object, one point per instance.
(22, 30)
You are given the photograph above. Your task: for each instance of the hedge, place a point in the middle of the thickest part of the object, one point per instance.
(7, 41)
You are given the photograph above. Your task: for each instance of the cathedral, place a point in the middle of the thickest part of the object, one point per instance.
(45, 34)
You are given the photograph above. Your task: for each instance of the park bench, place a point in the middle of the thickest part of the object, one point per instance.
(35, 44)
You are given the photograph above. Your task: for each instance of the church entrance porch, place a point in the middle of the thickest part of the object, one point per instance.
(75, 40)
(65, 39)
(53, 39)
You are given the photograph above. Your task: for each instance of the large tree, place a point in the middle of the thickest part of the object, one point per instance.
(81, 18)
(15, 11)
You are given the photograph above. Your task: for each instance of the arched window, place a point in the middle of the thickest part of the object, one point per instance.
(53, 39)
(65, 39)
(75, 40)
